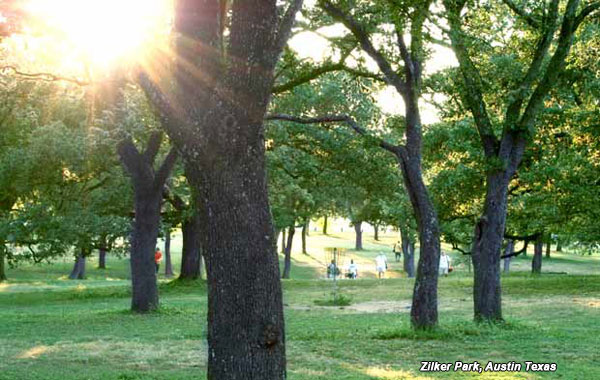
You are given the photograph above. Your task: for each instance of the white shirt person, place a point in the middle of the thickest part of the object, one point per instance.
(444, 264)
(381, 264)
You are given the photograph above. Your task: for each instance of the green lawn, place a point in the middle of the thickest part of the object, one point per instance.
(54, 328)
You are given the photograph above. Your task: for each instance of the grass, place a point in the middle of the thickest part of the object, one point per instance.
(54, 328)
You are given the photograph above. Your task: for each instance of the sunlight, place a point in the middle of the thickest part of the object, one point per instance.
(103, 31)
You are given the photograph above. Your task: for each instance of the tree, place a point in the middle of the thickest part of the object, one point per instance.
(214, 115)
(536, 71)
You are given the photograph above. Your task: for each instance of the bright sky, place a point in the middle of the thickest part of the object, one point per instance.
(314, 46)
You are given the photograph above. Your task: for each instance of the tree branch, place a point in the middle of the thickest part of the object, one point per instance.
(528, 18)
(585, 12)
(165, 168)
(46, 77)
(336, 119)
(392, 78)
(153, 146)
(286, 24)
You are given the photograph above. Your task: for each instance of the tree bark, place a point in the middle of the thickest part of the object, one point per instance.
(78, 272)
(192, 249)
(358, 246)
(325, 225)
(283, 240)
(304, 234)
(548, 248)
(510, 247)
(102, 258)
(376, 233)
(536, 263)
(2, 265)
(287, 266)
(408, 250)
(168, 261)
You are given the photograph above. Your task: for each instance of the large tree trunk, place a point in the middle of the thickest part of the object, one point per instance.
(536, 263)
(245, 309)
(325, 225)
(408, 250)
(510, 247)
(304, 233)
(358, 231)
(102, 258)
(548, 248)
(2, 264)
(287, 265)
(168, 260)
(192, 249)
(78, 272)
(376, 232)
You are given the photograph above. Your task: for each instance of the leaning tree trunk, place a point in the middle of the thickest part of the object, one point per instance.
(287, 265)
(358, 246)
(376, 233)
(304, 233)
(102, 258)
(536, 263)
(548, 248)
(325, 225)
(168, 261)
(510, 247)
(2, 264)
(191, 252)
(408, 250)
(424, 312)
(78, 272)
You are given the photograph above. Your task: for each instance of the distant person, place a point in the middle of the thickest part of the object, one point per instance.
(157, 258)
(331, 269)
(444, 264)
(352, 270)
(381, 265)
(397, 250)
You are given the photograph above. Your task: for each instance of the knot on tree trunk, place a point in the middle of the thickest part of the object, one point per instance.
(270, 336)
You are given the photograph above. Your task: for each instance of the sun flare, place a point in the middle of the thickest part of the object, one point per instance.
(103, 31)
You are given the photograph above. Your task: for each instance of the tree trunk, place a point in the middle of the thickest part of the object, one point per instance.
(2, 265)
(510, 247)
(548, 248)
(358, 230)
(408, 250)
(102, 258)
(143, 245)
(283, 240)
(245, 309)
(558, 246)
(191, 251)
(307, 227)
(304, 233)
(325, 225)
(376, 233)
(487, 245)
(288, 253)
(168, 261)
(536, 263)
(78, 272)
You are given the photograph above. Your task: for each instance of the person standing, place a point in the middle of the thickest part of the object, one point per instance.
(157, 258)
(397, 251)
(444, 264)
(381, 265)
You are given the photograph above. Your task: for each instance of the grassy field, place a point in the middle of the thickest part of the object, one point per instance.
(54, 328)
